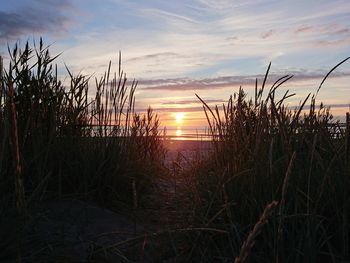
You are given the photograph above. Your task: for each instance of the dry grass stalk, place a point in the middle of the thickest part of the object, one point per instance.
(250, 241)
(347, 134)
(285, 185)
(19, 188)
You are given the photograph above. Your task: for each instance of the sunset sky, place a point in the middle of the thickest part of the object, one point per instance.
(178, 48)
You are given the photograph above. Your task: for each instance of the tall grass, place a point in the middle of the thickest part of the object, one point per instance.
(265, 151)
(56, 140)
(274, 188)
(69, 136)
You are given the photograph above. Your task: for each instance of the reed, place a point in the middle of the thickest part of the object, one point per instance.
(255, 142)
(249, 242)
(57, 141)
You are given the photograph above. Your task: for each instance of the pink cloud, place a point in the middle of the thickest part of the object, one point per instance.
(332, 43)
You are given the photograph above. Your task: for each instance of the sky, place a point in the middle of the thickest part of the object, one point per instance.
(177, 49)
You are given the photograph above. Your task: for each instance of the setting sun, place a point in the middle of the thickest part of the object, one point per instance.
(179, 116)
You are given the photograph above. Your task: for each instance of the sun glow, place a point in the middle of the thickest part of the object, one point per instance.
(178, 131)
(179, 116)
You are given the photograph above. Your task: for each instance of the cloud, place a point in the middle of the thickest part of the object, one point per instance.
(211, 38)
(187, 102)
(199, 107)
(224, 5)
(161, 39)
(170, 17)
(304, 29)
(332, 106)
(36, 17)
(267, 34)
(329, 29)
(173, 109)
(182, 84)
(234, 38)
(154, 56)
(193, 84)
(332, 43)
(342, 31)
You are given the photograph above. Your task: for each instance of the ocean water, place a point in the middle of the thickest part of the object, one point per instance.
(187, 134)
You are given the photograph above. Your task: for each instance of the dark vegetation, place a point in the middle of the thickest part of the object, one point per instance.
(274, 187)
(266, 152)
(57, 141)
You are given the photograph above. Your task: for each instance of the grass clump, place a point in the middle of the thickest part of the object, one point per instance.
(263, 151)
(58, 141)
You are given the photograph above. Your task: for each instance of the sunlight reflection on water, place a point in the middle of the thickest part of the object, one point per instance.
(178, 131)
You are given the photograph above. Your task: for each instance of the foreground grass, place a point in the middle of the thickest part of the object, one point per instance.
(273, 187)
(264, 154)
(56, 142)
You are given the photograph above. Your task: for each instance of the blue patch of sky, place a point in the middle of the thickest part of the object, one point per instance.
(107, 14)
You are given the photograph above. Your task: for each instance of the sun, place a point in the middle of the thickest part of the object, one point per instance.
(179, 116)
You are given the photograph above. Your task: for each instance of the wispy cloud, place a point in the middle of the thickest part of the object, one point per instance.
(229, 81)
(188, 102)
(226, 5)
(267, 34)
(35, 17)
(181, 47)
(206, 38)
(333, 43)
(198, 107)
(170, 18)
(304, 29)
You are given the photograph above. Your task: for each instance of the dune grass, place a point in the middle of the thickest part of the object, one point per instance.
(57, 141)
(265, 152)
(65, 134)
(273, 187)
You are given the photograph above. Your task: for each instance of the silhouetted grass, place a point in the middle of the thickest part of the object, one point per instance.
(274, 187)
(56, 141)
(265, 151)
